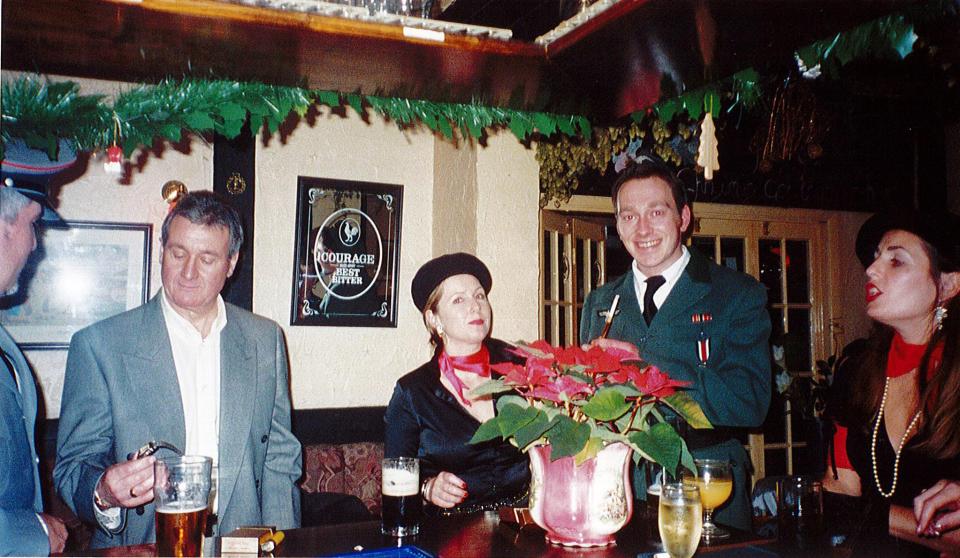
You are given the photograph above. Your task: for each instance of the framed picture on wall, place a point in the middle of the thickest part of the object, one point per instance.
(80, 273)
(347, 253)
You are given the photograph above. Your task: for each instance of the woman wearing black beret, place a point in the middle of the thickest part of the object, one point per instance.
(898, 439)
(432, 415)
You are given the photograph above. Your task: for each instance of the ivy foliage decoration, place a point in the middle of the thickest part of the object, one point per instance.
(41, 112)
(888, 37)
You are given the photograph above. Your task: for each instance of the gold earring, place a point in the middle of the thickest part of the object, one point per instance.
(440, 329)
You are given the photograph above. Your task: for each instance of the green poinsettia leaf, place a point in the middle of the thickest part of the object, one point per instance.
(606, 404)
(688, 409)
(576, 372)
(489, 430)
(566, 436)
(532, 432)
(589, 451)
(566, 126)
(661, 444)
(628, 390)
(495, 385)
(514, 417)
(686, 459)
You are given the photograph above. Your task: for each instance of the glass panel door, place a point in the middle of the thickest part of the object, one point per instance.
(782, 256)
(573, 263)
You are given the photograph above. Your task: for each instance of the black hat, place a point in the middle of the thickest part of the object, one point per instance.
(940, 229)
(438, 269)
(37, 192)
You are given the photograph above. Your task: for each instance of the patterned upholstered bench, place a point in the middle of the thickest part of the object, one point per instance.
(342, 449)
(350, 468)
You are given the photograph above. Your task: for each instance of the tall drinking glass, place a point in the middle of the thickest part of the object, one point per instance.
(715, 481)
(181, 489)
(680, 519)
(401, 496)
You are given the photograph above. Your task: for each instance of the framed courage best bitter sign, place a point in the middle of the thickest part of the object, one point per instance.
(347, 253)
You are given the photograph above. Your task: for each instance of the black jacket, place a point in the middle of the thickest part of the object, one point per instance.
(425, 420)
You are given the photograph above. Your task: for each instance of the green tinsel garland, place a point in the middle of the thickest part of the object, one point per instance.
(41, 112)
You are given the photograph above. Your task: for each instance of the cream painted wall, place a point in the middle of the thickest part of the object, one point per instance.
(339, 367)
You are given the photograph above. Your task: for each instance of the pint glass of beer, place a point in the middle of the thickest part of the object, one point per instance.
(401, 496)
(181, 489)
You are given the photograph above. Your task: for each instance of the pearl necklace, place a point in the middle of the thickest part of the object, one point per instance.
(903, 440)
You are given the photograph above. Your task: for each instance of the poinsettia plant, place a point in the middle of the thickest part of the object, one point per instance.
(580, 400)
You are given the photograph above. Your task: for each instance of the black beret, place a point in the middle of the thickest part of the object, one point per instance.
(434, 272)
(940, 229)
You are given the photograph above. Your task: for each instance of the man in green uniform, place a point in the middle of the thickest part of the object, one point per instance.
(695, 320)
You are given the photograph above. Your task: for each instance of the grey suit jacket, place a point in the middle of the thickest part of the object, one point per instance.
(121, 391)
(20, 498)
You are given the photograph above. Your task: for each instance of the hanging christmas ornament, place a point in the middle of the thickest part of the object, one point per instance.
(707, 155)
(114, 161)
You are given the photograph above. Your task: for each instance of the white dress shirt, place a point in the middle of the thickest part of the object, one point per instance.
(197, 360)
(671, 275)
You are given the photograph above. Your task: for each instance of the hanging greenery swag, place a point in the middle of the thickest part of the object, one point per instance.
(40, 111)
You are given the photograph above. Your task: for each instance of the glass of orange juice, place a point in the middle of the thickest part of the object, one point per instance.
(715, 481)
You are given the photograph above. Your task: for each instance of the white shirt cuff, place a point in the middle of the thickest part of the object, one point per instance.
(46, 530)
(109, 518)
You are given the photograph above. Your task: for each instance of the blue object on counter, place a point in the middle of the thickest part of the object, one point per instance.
(406, 551)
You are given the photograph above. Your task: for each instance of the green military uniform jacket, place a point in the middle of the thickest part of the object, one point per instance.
(733, 384)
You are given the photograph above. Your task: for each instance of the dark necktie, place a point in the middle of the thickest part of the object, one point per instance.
(650, 307)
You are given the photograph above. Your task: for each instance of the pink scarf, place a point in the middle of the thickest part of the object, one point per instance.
(477, 363)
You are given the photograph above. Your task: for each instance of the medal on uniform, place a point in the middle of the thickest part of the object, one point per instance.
(703, 341)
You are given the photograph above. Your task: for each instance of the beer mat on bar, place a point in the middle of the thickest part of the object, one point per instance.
(739, 552)
(406, 551)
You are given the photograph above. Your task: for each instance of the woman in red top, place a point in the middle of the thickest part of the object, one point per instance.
(898, 442)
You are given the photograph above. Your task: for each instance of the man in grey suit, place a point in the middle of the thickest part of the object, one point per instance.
(24, 529)
(188, 369)
(699, 322)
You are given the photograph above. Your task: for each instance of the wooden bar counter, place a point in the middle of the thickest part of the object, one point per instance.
(478, 536)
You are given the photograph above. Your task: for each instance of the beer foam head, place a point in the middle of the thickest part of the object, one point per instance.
(397, 482)
(180, 507)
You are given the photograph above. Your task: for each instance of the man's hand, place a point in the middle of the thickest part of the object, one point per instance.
(128, 484)
(56, 532)
(613, 344)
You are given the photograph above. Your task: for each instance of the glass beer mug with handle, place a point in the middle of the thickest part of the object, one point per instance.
(401, 496)
(181, 490)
